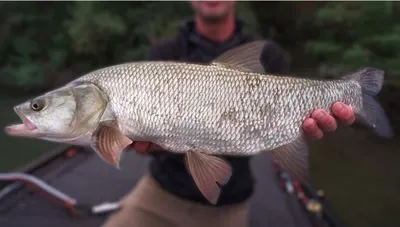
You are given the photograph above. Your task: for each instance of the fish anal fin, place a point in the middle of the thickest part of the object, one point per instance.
(208, 173)
(109, 142)
(293, 159)
(245, 57)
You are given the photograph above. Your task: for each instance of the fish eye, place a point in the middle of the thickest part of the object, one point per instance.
(37, 105)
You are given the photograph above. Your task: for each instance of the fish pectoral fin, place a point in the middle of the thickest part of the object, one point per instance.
(208, 171)
(293, 159)
(245, 57)
(109, 142)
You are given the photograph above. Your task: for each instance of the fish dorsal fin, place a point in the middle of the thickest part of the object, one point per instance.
(245, 57)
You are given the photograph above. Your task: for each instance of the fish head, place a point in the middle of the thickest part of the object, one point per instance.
(68, 114)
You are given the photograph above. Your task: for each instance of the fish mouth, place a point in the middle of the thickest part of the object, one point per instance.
(27, 128)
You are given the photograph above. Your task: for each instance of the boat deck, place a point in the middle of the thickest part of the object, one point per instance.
(90, 181)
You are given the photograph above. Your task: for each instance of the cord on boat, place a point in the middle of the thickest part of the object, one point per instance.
(68, 201)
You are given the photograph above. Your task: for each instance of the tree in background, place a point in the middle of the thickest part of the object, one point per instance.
(336, 37)
(44, 44)
(356, 34)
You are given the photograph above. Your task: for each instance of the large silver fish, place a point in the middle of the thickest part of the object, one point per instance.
(227, 107)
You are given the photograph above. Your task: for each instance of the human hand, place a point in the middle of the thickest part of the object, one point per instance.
(321, 121)
(143, 148)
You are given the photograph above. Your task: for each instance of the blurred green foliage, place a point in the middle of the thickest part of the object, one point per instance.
(42, 41)
(350, 35)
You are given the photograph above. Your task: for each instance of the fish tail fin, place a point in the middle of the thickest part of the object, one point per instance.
(372, 114)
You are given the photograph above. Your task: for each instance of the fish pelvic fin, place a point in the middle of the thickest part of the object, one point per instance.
(372, 114)
(293, 159)
(208, 172)
(245, 57)
(109, 142)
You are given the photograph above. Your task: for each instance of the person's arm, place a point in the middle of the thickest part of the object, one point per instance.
(276, 61)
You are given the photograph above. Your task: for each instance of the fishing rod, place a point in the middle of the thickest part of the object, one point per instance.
(311, 200)
(54, 195)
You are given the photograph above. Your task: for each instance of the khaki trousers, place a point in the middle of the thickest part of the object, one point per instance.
(148, 205)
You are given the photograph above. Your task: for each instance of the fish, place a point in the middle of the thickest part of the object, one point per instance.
(227, 107)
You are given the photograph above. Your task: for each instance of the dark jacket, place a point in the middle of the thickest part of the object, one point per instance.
(168, 168)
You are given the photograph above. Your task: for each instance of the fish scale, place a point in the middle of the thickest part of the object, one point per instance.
(204, 111)
(215, 109)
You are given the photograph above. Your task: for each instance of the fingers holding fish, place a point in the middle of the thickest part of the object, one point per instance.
(324, 120)
(343, 113)
(321, 121)
(311, 129)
